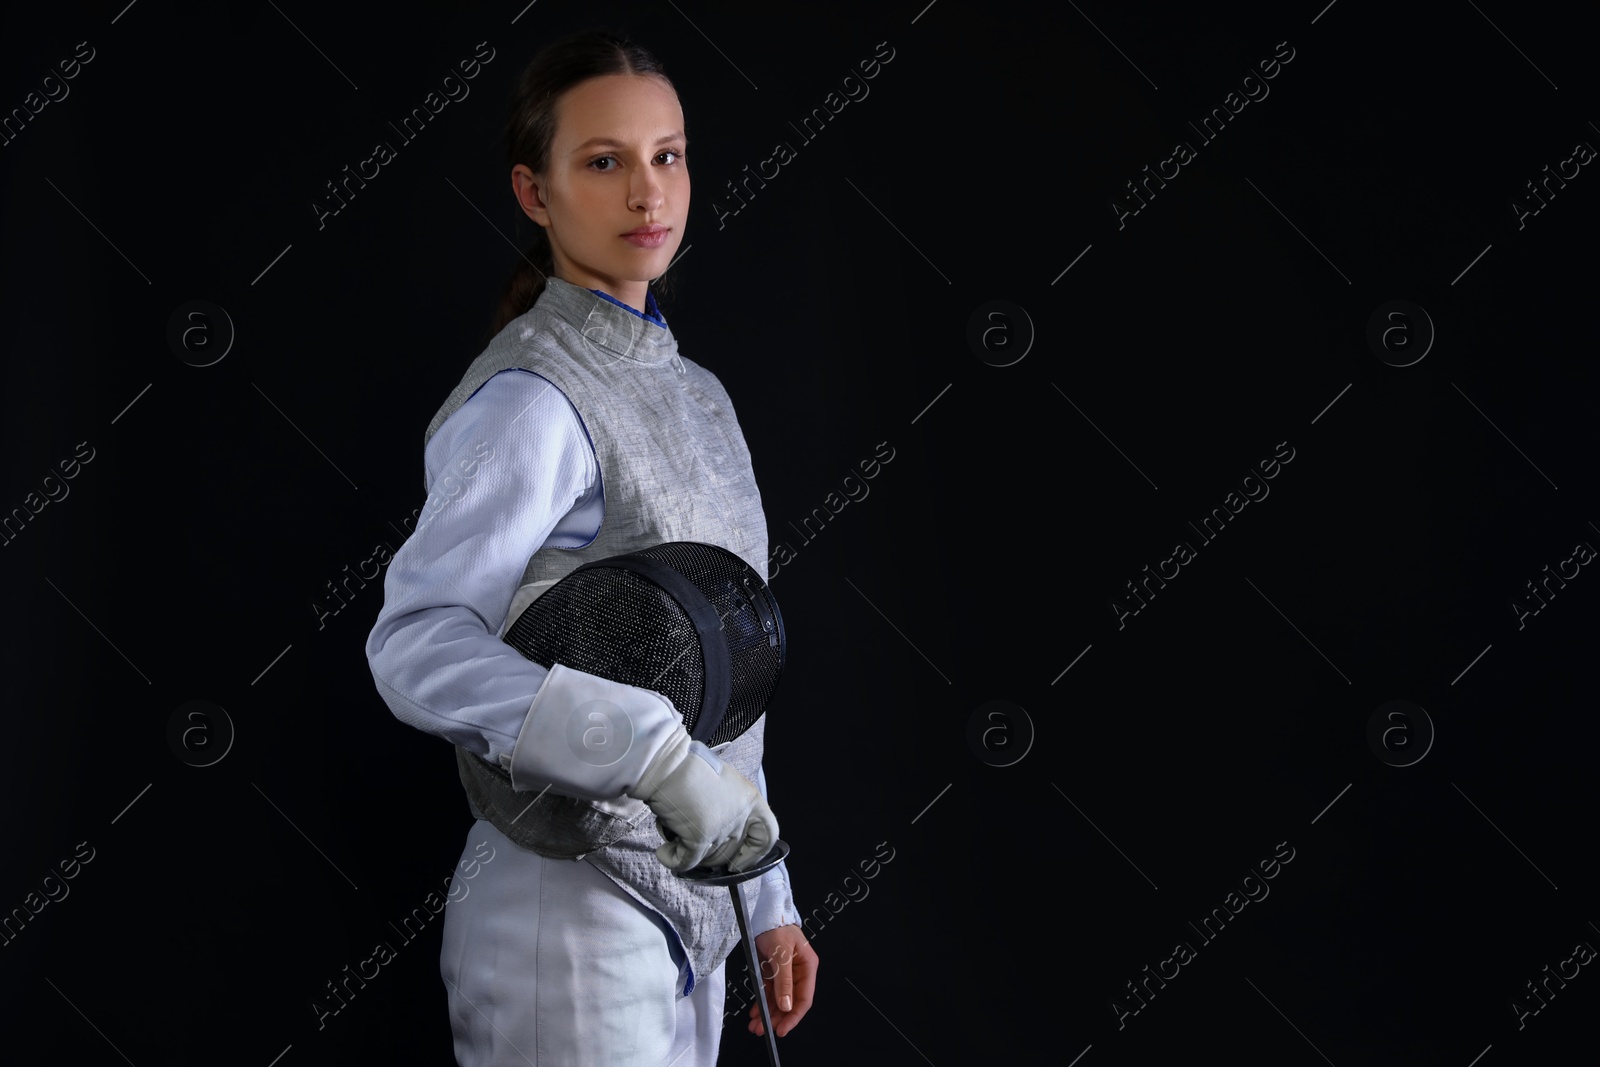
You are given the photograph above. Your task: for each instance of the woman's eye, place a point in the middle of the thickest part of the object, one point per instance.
(678, 158)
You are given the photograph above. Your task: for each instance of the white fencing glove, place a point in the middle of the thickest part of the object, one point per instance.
(591, 737)
(588, 736)
(719, 817)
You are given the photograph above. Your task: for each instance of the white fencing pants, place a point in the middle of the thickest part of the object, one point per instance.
(548, 962)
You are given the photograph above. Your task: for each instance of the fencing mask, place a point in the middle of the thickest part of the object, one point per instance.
(691, 621)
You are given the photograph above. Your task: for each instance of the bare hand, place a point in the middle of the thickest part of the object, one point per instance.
(789, 975)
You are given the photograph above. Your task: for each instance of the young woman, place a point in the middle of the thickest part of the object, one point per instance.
(578, 434)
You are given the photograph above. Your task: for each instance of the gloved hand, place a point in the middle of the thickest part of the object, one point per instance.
(718, 815)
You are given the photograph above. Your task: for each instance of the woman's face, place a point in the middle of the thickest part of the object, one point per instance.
(616, 164)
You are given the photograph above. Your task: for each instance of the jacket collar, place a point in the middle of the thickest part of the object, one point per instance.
(610, 325)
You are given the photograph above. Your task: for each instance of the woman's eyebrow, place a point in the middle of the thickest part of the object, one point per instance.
(612, 142)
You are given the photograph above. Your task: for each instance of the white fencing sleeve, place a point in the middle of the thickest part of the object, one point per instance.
(774, 899)
(511, 469)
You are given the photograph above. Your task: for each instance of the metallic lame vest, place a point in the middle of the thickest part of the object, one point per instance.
(674, 467)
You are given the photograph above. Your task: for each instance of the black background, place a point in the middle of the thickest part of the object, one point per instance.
(1182, 347)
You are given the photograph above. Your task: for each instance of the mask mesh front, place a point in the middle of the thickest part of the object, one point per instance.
(613, 622)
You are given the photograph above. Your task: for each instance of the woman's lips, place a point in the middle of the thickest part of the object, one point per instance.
(653, 239)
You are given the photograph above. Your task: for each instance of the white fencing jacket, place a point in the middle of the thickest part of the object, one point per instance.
(580, 433)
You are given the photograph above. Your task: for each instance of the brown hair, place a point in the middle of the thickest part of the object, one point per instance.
(531, 128)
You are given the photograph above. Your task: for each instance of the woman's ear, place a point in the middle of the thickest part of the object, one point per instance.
(527, 187)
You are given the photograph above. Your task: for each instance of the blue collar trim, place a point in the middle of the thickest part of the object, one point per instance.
(651, 312)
